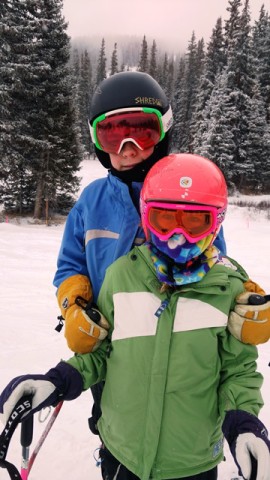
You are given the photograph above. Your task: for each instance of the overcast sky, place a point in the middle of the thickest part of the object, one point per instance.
(171, 20)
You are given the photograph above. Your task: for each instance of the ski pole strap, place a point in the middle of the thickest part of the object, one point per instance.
(21, 408)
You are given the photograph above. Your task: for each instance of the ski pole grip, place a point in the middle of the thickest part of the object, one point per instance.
(27, 428)
(256, 299)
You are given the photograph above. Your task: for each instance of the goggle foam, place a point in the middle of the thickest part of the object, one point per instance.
(143, 126)
(195, 222)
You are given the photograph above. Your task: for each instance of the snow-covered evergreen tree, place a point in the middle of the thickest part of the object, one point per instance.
(256, 174)
(170, 79)
(261, 45)
(186, 91)
(213, 64)
(217, 140)
(18, 34)
(153, 60)
(143, 62)
(231, 124)
(42, 118)
(114, 61)
(163, 73)
(86, 91)
(166, 76)
(240, 81)
(177, 103)
(102, 61)
(57, 162)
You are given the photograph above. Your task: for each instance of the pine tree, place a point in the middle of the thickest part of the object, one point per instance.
(169, 88)
(233, 131)
(186, 99)
(43, 130)
(85, 95)
(18, 68)
(57, 162)
(217, 142)
(164, 72)
(261, 46)
(240, 83)
(177, 105)
(6, 150)
(114, 61)
(256, 171)
(81, 78)
(200, 57)
(102, 60)
(153, 60)
(215, 61)
(143, 63)
(165, 75)
(231, 26)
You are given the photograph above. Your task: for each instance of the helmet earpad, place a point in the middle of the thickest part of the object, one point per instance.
(103, 157)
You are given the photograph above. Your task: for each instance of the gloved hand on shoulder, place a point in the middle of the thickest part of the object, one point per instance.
(249, 444)
(250, 323)
(62, 382)
(84, 328)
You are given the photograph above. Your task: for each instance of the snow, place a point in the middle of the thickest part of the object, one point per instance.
(29, 343)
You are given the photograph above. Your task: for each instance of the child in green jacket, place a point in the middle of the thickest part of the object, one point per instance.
(177, 381)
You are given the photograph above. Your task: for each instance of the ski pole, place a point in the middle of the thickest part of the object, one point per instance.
(21, 408)
(26, 440)
(43, 437)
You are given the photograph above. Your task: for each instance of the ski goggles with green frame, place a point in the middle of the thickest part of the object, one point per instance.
(143, 126)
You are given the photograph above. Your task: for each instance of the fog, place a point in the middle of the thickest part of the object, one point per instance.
(170, 21)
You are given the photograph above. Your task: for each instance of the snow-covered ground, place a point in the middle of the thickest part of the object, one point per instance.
(29, 343)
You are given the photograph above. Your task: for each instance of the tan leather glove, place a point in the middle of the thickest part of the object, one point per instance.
(84, 332)
(250, 323)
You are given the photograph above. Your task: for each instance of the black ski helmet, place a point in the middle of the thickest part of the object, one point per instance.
(130, 89)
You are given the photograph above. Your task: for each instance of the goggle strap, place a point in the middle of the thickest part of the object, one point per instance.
(91, 132)
(123, 110)
(167, 120)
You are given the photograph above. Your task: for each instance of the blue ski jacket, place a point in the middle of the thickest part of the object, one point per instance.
(103, 225)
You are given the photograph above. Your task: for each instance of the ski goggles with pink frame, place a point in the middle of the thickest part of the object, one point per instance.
(195, 222)
(143, 126)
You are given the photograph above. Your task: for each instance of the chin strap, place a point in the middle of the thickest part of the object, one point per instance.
(21, 408)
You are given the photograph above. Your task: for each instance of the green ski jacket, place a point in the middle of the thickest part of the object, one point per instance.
(172, 368)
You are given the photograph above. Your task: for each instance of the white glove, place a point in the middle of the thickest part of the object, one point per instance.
(62, 382)
(248, 444)
(39, 390)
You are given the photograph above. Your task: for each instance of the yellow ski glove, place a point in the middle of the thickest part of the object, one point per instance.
(84, 331)
(250, 320)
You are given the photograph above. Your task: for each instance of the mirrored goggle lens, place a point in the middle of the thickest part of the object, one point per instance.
(194, 222)
(143, 128)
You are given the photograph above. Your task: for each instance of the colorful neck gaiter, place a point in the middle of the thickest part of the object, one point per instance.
(178, 262)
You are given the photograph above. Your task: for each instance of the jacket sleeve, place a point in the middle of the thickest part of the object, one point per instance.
(92, 366)
(240, 383)
(71, 258)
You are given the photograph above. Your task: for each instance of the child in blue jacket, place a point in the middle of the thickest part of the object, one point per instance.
(130, 123)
